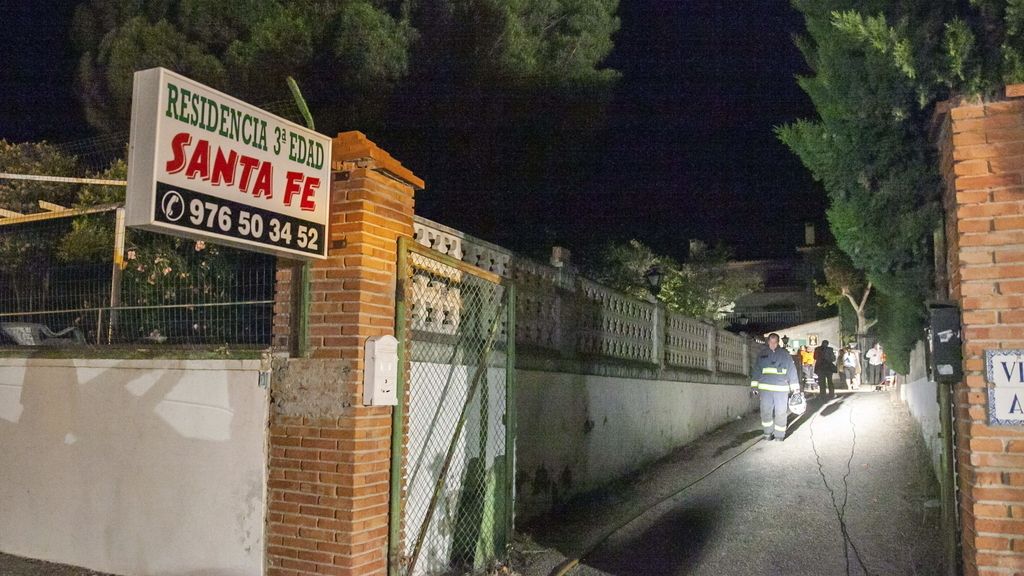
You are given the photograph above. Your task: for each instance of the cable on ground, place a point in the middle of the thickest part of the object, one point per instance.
(841, 510)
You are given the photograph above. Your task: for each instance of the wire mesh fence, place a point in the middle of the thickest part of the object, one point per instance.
(458, 498)
(60, 287)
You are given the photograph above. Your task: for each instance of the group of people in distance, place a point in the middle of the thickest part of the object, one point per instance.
(821, 364)
(774, 377)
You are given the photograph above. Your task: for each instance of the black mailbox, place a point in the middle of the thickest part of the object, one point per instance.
(946, 343)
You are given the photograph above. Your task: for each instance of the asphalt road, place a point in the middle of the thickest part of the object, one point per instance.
(850, 492)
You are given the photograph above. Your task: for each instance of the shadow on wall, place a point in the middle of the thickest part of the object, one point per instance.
(578, 432)
(132, 469)
(553, 441)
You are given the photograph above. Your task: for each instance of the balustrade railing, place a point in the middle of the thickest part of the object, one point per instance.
(614, 324)
(731, 353)
(563, 315)
(479, 253)
(689, 343)
(541, 312)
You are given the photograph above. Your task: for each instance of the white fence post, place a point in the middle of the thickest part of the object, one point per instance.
(712, 349)
(746, 356)
(658, 334)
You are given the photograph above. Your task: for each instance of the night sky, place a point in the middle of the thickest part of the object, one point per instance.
(702, 90)
(689, 152)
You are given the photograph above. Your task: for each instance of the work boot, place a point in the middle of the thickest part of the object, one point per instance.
(766, 437)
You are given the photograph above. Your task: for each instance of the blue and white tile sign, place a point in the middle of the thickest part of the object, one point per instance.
(1004, 371)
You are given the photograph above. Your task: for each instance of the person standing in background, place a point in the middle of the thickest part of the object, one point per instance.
(875, 357)
(840, 358)
(825, 367)
(851, 367)
(807, 366)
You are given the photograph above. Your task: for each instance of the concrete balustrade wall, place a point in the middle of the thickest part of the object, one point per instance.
(578, 432)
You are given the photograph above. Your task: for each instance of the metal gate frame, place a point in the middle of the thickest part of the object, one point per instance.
(403, 334)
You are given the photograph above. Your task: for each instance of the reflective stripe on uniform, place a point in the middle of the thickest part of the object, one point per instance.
(753, 383)
(773, 387)
(773, 370)
(766, 424)
(780, 428)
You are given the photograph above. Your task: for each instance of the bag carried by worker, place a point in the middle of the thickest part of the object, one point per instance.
(797, 403)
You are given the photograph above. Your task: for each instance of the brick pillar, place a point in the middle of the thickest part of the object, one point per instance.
(329, 454)
(982, 151)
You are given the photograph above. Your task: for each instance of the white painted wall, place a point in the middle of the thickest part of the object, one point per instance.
(920, 395)
(826, 329)
(135, 467)
(584, 431)
(436, 396)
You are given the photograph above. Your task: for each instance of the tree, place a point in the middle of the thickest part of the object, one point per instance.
(91, 239)
(845, 285)
(159, 270)
(511, 88)
(348, 55)
(25, 260)
(35, 158)
(470, 88)
(877, 70)
(702, 287)
(348, 51)
(622, 266)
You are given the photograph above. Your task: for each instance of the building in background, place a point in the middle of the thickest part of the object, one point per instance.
(787, 295)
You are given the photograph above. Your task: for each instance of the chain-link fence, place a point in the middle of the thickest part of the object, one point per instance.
(458, 505)
(60, 287)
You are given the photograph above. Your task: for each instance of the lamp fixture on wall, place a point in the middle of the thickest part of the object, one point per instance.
(653, 277)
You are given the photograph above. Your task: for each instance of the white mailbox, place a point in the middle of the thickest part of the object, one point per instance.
(381, 375)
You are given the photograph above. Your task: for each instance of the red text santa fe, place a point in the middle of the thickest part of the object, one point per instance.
(208, 166)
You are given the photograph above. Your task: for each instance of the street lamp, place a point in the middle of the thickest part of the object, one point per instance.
(653, 277)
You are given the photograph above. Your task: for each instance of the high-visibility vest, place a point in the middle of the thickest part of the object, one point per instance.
(774, 371)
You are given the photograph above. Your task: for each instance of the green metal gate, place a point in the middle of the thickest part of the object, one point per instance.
(455, 327)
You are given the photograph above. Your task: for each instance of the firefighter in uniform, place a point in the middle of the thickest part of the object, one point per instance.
(774, 376)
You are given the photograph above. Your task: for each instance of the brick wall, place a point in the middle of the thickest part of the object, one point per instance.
(329, 454)
(982, 153)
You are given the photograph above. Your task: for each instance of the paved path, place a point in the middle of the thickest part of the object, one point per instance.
(855, 464)
(14, 566)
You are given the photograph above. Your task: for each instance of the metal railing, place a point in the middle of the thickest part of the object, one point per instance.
(769, 318)
(83, 280)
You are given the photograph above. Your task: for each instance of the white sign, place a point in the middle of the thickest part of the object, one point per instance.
(1006, 405)
(204, 165)
(1004, 367)
(1004, 370)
